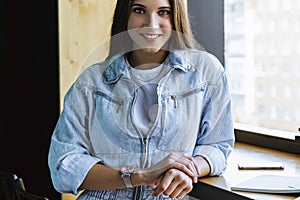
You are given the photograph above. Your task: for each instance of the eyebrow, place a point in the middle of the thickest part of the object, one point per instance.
(141, 5)
(137, 4)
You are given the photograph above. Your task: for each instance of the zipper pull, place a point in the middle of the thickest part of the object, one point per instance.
(174, 98)
(145, 141)
(145, 145)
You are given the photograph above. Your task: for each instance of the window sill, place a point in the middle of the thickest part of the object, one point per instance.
(273, 139)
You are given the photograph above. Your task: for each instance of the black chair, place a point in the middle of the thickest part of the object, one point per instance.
(12, 188)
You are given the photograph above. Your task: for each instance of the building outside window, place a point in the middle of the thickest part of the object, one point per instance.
(262, 60)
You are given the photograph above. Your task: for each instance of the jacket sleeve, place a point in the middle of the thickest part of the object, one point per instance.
(216, 133)
(69, 157)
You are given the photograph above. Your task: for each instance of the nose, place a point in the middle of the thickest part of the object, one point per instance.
(152, 21)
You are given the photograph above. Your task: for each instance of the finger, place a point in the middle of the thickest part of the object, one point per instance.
(181, 185)
(164, 184)
(195, 165)
(157, 183)
(197, 169)
(173, 161)
(189, 166)
(173, 192)
(183, 193)
(173, 183)
(184, 167)
(184, 185)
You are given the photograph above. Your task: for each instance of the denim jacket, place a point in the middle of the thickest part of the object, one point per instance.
(194, 118)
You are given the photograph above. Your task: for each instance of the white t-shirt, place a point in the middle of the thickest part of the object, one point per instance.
(146, 105)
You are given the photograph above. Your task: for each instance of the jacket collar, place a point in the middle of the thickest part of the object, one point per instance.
(116, 66)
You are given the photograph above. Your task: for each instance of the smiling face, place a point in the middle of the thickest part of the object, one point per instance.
(150, 24)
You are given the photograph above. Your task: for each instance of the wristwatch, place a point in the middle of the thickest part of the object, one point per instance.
(126, 172)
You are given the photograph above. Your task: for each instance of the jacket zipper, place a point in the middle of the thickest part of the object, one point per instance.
(176, 97)
(144, 141)
(139, 188)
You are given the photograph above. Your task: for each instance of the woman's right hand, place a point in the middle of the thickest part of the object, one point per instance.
(150, 176)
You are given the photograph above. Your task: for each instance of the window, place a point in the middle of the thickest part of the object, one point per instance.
(262, 60)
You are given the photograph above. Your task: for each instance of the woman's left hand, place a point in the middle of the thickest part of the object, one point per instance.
(174, 183)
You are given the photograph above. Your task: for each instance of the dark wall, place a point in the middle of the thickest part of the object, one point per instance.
(29, 102)
(208, 25)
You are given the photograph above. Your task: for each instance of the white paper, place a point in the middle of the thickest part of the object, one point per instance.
(270, 184)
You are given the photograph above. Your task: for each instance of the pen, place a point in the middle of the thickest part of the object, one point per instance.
(261, 168)
(271, 166)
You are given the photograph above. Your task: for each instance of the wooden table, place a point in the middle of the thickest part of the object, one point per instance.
(244, 152)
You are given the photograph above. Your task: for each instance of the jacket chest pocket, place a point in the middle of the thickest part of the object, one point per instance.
(111, 108)
(181, 118)
(110, 135)
(190, 96)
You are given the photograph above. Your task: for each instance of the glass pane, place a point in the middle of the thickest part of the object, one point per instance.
(262, 60)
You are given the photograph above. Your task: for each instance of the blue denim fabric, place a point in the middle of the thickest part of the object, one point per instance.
(194, 118)
(143, 193)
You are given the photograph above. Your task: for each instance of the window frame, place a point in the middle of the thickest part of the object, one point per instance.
(268, 140)
(207, 20)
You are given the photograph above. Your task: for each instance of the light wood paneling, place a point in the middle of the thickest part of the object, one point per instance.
(84, 28)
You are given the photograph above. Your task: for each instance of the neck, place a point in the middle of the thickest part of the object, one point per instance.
(142, 60)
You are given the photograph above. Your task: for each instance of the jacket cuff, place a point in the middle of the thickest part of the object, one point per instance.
(213, 156)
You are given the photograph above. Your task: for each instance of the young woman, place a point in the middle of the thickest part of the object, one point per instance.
(151, 119)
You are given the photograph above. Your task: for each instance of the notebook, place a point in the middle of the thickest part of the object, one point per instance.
(270, 184)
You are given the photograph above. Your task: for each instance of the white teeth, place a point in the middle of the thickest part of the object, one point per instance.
(151, 36)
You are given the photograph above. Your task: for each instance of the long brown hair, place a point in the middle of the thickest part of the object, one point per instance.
(182, 37)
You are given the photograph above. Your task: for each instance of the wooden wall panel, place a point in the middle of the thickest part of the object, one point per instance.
(83, 26)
